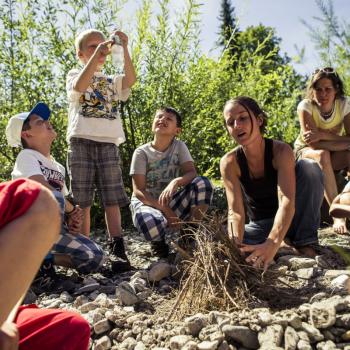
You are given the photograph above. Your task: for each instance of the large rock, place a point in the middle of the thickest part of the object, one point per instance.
(322, 315)
(341, 282)
(313, 333)
(296, 263)
(291, 339)
(242, 335)
(196, 323)
(127, 294)
(159, 271)
(271, 335)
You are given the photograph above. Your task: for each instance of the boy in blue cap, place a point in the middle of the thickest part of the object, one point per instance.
(33, 131)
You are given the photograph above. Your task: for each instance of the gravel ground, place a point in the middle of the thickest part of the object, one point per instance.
(123, 310)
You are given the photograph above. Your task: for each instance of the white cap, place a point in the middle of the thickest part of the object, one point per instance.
(15, 124)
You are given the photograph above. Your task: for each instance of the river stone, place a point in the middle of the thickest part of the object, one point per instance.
(242, 335)
(306, 273)
(159, 271)
(88, 307)
(335, 273)
(208, 345)
(127, 294)
(328, 345)
(103, 343)
(102, 326)
(140, 346)
(178, 341)
(66, 297)
(346, 336)
(128, 344)
(296, 263)
(264, 318)
(313, 333)
(322, 315)
(195, 323)
(224, 346)
(343, 321)
(291, 339)
(271, 335)
(211, 332)
(191, 345)
(341, 282)
(304, 345)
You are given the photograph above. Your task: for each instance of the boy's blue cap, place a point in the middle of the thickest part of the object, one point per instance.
(15, 124)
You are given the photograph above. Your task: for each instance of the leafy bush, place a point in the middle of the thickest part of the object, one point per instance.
(37, 51)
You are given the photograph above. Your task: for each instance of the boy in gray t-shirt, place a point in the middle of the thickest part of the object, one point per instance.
(166, 188)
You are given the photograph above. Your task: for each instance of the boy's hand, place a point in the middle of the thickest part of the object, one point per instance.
(75, 220)
(123, 38)
(173, 220)
(168, 192)
(103, 49)
(9, 336)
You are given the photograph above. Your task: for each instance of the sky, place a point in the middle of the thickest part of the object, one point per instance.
(284, 15)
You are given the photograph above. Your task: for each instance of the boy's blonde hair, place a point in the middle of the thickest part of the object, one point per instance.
(79, 40)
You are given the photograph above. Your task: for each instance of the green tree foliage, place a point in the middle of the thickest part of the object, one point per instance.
(228, 24)
(37, 51)
(332, 38)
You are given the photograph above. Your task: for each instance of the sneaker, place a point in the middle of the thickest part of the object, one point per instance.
(160, 248)
(46, 276)
(120, 261)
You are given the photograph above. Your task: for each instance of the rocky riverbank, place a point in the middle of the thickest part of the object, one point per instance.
(125, 311)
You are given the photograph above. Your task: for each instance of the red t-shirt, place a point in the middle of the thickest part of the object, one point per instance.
(16, 197)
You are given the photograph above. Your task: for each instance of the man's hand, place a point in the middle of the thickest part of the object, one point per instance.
(9, 336)
(168, 192)
(75, 220)
(261, 254)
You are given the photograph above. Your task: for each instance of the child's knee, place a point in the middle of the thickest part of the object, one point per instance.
(45, 211)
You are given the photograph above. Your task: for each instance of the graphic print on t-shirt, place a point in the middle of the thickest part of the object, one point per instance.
(161, 172)
(99, 103)
(53, 177)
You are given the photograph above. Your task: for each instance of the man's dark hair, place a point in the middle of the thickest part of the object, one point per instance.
(175, 113)
(26, 126)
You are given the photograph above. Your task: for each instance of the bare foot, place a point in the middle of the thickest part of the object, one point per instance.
(287, 249)
(339, 225)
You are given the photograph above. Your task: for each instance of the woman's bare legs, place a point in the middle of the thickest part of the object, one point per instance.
(328, 162)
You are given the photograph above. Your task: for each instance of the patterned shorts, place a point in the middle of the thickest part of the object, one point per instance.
(86, 255)
(95, 165)
(153, 224)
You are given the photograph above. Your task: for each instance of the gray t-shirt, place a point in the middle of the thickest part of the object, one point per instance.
(159, 167)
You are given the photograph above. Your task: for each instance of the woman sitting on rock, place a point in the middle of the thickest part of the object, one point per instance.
(282, 198)
(324, 115)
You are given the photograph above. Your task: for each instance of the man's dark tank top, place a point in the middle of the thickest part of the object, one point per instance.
(260, 194)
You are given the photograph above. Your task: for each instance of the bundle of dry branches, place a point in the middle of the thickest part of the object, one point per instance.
(215, 275)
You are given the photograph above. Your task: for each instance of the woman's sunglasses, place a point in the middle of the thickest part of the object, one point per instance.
(327, 70)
